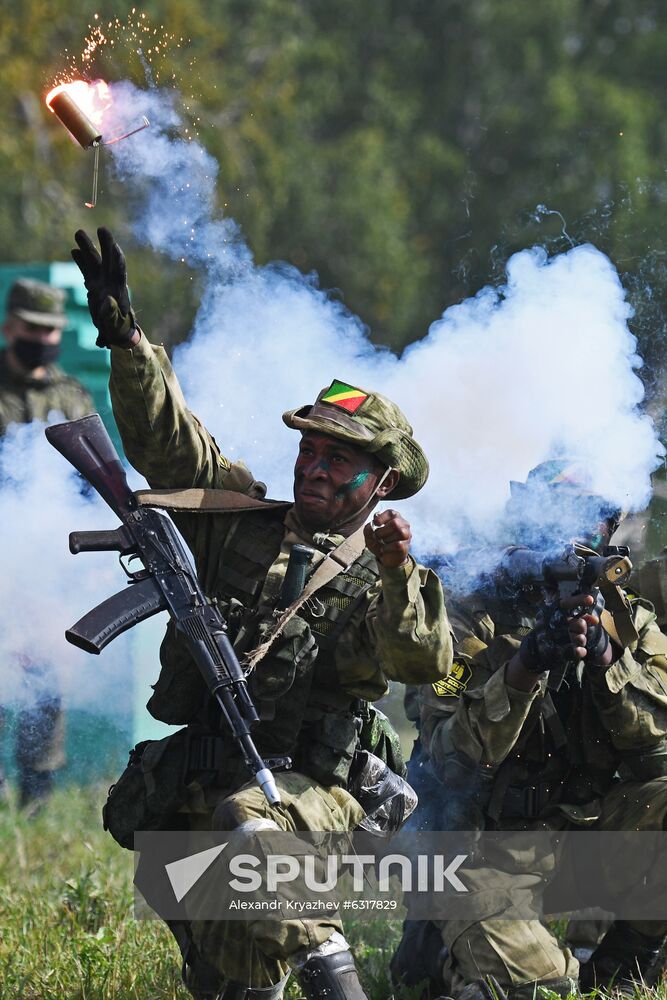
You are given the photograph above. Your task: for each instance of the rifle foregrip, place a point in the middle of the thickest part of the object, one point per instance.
(128, 607)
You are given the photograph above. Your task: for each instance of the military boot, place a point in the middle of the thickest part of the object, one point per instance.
(419, 957)
(623, 957)
(480, 989)
(236, 991)
(564, 986)
(330, 977)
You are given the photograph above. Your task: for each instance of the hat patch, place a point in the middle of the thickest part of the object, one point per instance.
(345, 396)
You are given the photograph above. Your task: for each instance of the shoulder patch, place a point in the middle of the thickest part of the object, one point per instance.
(455, 682)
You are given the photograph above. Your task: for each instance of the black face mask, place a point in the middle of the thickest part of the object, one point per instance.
(31, 354)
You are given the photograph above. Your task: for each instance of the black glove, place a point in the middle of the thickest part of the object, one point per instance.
(105, 278)
(597, 639)
(549, 644)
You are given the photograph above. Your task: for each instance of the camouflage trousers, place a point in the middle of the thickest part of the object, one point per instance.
(524, 951)
(256, 953)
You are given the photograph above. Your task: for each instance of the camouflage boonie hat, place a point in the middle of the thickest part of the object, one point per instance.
(560, 472)
(36, 302)
(564, 474)
(369, 421)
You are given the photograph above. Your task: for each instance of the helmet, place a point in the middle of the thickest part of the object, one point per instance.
(560, 472)
(369, 421)
(570, 481)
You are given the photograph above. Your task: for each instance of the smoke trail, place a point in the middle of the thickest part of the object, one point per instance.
(543, 366)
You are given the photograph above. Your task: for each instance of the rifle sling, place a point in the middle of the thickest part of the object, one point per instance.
(617, 617)
(228, 501)
(333, 563)
(208, 501)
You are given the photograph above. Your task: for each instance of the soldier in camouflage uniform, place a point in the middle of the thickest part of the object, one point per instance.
(32, 386)
(512, 754)
(381, 618)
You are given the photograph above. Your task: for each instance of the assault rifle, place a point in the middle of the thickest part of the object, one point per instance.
(166, 582)
(574, 570)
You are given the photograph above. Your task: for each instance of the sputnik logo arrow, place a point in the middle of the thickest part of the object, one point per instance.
(186, 871)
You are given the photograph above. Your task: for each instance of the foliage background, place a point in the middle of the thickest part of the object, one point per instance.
(400, 148)
(403, 149)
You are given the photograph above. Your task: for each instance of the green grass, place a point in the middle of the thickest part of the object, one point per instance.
(67, 930)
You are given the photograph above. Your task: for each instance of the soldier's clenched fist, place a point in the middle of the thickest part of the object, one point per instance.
(388, 537)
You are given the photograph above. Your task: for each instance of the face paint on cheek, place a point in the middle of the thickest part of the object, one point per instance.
(354, 484)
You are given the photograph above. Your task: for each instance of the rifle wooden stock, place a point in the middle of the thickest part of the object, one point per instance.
(87, 446)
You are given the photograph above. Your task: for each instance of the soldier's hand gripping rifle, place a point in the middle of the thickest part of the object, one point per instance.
(575, 571)
(166, 582)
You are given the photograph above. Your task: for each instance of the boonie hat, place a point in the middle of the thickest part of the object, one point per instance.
(36, 302)
(370, 421)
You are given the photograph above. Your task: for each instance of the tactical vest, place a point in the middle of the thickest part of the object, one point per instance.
(304, 711)
(551, 761)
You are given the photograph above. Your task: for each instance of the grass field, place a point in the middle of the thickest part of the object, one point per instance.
(66, 926)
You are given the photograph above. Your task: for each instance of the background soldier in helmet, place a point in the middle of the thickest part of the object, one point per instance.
(514, 751)
(381, 617)
(33, 385)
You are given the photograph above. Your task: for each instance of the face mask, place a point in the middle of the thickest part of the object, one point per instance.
(31, 354)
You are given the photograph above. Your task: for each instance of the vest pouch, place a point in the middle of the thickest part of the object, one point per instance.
(379, 738)
(150, 790)
(327, 748)
(291, 656)
(179, 691)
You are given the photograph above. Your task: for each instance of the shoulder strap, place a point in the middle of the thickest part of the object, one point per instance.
(206, 501)
(617, 616)
(333, 563)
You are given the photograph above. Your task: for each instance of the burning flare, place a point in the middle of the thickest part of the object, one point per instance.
(81, 107)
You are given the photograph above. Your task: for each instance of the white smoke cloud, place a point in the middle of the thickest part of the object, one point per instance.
(43, 588)
(545, 365)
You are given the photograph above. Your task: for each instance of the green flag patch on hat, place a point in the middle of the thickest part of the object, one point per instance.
(369, 421)
(345, 396)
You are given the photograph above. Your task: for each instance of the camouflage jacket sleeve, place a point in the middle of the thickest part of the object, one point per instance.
(474, 710)
(402, 633)
(166, 442)
(631, 695)
(162, 438)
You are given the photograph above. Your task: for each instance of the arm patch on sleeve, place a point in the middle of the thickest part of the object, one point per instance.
(455, 682)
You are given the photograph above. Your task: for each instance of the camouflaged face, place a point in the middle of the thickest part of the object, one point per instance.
(375, 424)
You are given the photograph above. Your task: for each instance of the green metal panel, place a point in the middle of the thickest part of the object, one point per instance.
(96, 744)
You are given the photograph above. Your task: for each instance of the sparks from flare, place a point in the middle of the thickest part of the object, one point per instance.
(135, 33)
